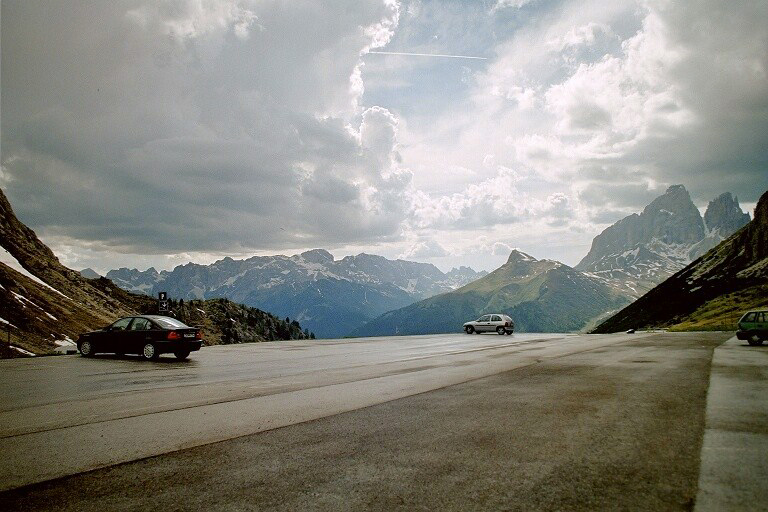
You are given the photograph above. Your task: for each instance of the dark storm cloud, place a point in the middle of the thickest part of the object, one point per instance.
(721, 78)
(180, 126)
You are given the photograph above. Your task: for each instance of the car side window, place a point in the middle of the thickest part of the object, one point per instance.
(140, 324)
(750, 317)
(485, 318)
(760, 317)
(121, 324)
(495, 318)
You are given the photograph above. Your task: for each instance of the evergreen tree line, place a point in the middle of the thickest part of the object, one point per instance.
(226, 322)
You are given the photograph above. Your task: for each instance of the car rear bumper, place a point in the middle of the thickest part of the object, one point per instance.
(745, 335)
(178, 346)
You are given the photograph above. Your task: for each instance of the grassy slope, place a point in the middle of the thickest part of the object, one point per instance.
(540, 296)
(722, 313)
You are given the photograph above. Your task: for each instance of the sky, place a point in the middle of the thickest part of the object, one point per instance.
(154, 133)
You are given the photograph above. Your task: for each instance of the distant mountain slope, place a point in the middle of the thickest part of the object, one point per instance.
(330, 297)
(45, 305)
(90, 273)
(642, 250)
(712, 290)
(540, 295)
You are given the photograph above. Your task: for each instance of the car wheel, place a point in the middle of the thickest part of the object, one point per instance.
(469, 329)
(149, 352)
(181, 354)
(508, 333)
(500, 330)
(755, 340)
(86, 349)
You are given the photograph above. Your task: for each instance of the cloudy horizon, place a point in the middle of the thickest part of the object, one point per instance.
(138, 134)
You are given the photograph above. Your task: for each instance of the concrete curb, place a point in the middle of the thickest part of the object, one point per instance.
(734, 455)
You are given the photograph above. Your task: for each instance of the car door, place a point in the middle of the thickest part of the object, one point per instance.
(115, 338)
(483, 323)
(138, 334)
(496, 321)
(761, 323)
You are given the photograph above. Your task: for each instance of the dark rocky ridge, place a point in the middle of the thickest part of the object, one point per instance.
(37, 317)
(734, 272)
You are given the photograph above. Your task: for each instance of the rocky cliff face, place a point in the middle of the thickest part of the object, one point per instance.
(724, 214)
(642, 250)
(712, 291)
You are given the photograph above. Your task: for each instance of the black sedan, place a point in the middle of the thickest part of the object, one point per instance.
(146, 335)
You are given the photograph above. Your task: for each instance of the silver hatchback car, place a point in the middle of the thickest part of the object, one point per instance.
(502, 324)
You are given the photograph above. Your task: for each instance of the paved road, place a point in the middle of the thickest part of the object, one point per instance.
(462, 422)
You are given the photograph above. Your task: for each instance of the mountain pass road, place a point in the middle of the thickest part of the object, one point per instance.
(419, 422)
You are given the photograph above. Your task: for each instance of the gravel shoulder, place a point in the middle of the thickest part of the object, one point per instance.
(614, 428)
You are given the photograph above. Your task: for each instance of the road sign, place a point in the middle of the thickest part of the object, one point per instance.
(162, 302)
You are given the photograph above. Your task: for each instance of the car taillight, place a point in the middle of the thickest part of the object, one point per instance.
(173, 335)
(199, 335)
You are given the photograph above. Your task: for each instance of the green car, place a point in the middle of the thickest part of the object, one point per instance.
(753, 327)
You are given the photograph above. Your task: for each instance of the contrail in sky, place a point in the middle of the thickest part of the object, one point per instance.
(431, 55)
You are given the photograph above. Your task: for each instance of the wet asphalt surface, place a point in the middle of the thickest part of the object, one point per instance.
(612, 428)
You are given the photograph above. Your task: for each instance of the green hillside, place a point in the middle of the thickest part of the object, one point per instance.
(540, 295)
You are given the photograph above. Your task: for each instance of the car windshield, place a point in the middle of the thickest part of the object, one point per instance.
(169, 323)
(121, 324)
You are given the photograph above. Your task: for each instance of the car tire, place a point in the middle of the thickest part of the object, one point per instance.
(181, 354)
(469, 329)
(149, 352)
(754, 340)
(508, 332)
(500, 331)
(86, 349)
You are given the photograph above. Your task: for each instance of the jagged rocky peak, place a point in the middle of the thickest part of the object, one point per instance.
(320, 256)
(461, 271)
(725, 215)
(518, 256)
(673, 218)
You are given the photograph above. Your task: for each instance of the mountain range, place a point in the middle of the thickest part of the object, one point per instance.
(330, 297)
(371, 295)
(713, 291)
